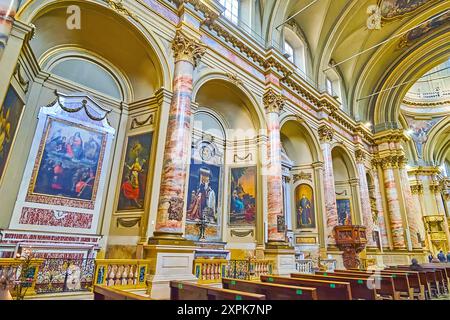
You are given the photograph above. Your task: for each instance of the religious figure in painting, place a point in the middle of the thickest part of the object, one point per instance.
(10, 113)
(202, 204)
(243, 196)
(64, 169)
(344, 212)
(132, 191)
(396, 8)
(304, 206)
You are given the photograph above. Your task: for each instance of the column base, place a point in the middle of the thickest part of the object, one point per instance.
(283, 257)
(171, 260)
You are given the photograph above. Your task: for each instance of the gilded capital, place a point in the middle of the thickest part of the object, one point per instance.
(360, 156)
(417, 189)
(325, 133)
(187, 49)
(273, 102)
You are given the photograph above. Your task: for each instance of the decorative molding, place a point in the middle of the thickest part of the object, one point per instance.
(326, 133)
(302, 176)
(22, 81)
(273, 102)
(360, 155)
(417, 189)
(135, 123)
(118, 7)
(248, 157)
(234, 79)
(128, 222)
(187, 49)
(242, 233)
(343, 193)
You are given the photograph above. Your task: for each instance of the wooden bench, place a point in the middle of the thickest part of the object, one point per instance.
(427, 276)
(109, 293)
(418, 289)
(401, 281)
(271, 291)
(362, 289)
(181, 290)
(326, 290)
(386, 289)
(442, 276)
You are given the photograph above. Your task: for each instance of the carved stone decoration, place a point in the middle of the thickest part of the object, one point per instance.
(273, 102)
(242, 233)
(23, 82)
(360, 156)
(128, 222)
(351, 240)
(248, 157)
(188, 49)
(325, 133)
(120, 8)
(136, 123)
(234, 79)
(417, 189)
(302, 176)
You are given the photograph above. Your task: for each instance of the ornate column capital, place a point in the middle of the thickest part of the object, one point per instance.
(417, 189)
(360, 156)
(187, 49)
(273, 102)
(325, 133)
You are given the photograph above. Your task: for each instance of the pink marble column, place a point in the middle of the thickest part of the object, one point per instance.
(8, 10)
(171, 209)
(393, 202)
(273, 104)
(380, 210)
(365, 198)
(411, 209)
(326, 136)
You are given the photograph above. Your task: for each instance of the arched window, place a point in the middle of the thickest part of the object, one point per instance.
(231, 10)
(333, 85)
(295, 48)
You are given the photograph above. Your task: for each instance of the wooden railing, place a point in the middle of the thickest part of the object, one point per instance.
(121, 273)
(12, 268)
(209, 271)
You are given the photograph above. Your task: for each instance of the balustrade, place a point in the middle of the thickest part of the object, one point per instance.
(123, 273)
(210, 270)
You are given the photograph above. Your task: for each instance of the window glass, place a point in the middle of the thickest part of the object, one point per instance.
(231, 10)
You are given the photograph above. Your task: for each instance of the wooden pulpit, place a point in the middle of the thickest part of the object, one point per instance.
(351, 240)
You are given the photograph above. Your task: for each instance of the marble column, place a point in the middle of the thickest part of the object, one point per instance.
(393, 202)
(273, 104)
(366, 209)
(416, 192)
(8, 9)
(379, 208)
(326, 136)
(169, 222)
(411, 209)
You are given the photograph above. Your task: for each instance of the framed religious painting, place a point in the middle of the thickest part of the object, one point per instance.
(10, 114)
(304, 207)
(134, 175)
(344, 211)
(242, 193)
(64, 179)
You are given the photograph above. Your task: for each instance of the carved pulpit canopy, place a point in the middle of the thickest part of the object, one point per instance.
(351, 239)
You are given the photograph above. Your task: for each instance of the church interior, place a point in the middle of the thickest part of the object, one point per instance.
(224, 149)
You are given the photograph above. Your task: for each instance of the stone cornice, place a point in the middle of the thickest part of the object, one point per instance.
(392, 135)
(389, 161)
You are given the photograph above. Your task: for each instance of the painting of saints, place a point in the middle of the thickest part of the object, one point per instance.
(10, 113)
(344, 212)
(64, 168)
(304, 206)
(135, 171)
(243, 196)
(203, 193)
(396, 8)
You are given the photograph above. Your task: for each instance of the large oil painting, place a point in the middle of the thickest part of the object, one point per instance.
(203, 193)
(344, 211)
(70, 156)
(10, 113)
(135, 172)
(243, 196)
(304, 206)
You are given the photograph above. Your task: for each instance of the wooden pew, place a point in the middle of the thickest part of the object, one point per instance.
(181, 290)
(270, 290)
(427, 275)
(386, 289)
(417, 287)
(109, 293)
(444, 274)
(422, 278)
(361, 288)
(326, 290)
(401, 281)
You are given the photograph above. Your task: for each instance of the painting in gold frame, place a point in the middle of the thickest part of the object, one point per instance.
(304, 206)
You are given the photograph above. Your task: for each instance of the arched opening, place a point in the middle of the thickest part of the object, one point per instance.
(225, 151)
(295, 48)
(300, 184)
(346, 186)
